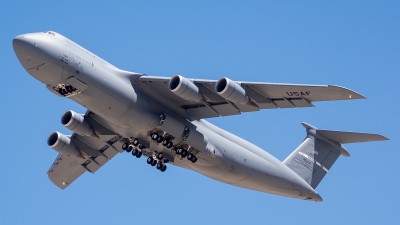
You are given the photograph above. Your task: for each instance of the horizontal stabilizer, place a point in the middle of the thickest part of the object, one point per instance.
(350, 137)
(316, 155)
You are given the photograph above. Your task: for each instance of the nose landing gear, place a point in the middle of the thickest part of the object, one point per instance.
(66, 90)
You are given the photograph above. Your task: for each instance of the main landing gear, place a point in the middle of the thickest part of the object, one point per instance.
(160, 138)
(186, 154)
(134, 147)
(158, 160)
(155, 159)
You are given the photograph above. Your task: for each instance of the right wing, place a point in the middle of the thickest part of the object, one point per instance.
(263, 95)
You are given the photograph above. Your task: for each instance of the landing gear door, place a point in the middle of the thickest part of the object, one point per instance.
(75, 82)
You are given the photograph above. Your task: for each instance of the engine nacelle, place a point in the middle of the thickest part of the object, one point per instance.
(231, 91)
(63, 144)
(184, 88)
(77, 123)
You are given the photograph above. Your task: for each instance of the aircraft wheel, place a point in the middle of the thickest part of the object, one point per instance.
(150, 160)
(69, 89)
(160, 139)
(170, 144)
(165, 142)
(164, 168)
(129, 149)
(139, 154)
(125, 146)
(194, 159)
(184, 153)
(153, 163)
(154, 136)
(160, 155)
(159, 166)
(190, 156)
(135, 142)
(179, 151)
(134, 152)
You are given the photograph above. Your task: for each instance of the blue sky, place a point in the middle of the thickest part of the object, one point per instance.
(354, 44)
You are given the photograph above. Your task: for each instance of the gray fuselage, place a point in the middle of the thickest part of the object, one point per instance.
(130, 111)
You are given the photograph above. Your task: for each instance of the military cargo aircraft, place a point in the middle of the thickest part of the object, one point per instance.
(163, 120)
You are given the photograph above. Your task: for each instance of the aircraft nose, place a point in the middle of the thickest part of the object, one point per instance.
(19, 42)
(28, 49)
(28, 43)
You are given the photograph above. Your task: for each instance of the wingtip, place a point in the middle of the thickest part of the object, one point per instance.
(350, 94)
(383, 138)
(308, 126)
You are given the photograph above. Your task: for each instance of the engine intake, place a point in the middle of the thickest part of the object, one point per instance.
(77, 123)
(184, 88)
(63, 144)
(231, 91)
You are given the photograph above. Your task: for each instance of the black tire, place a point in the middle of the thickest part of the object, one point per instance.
(194, 159)
(125, 146)
(129, 149)
(179, 151)
(170, 144)
(160, 139)
(164, 168)
(160, 155)
(135, 142)
(139, 154)
(153, 163)
(165, 142)
(70, 88)
(190, 156)
(159, 166)
(134, 152)
(150, 160)
(154, 136)
(184, 153)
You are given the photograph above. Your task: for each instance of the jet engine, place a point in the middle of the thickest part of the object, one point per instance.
(77, 123)
(184, 88)
(231, 91)
(63, 144)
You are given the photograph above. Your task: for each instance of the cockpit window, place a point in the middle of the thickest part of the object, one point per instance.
(50, 32)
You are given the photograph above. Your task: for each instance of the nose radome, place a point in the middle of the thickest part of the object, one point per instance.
(19, 41)
(32, 50)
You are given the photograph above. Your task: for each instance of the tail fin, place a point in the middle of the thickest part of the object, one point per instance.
(319, 151)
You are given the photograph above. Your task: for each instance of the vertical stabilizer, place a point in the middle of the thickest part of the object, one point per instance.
(315, 156)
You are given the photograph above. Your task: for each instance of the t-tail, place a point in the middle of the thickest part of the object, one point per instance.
(319, 151)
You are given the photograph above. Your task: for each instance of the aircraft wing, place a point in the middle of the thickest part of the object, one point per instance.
(263, 95)
(96, 151)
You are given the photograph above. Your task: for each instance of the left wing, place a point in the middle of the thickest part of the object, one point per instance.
(260, 95)
(97, 151)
